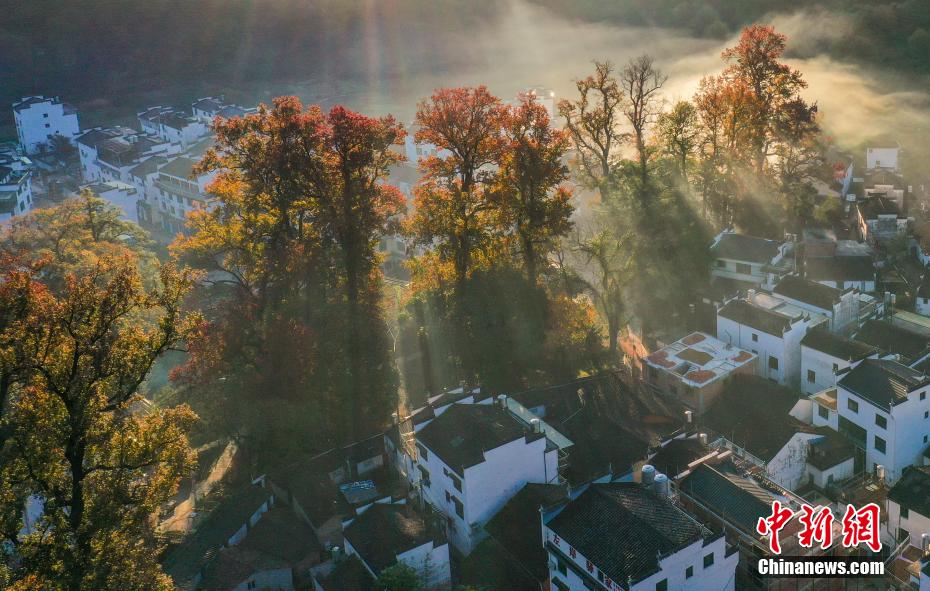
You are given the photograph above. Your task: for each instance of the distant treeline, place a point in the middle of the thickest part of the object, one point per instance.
(88, 49)
(890, 33)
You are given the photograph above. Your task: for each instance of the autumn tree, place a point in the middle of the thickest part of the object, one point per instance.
(290, 248)
(594, 122)
(678, 134)
(74, 236)
(93, 460)
(754, 63)
(454, 209)
(534, 200)
(641, 82)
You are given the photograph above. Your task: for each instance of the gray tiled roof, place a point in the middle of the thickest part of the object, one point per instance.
(623, 528)
(740, 247)
(461, 434)
(837, 346)
(883, 382)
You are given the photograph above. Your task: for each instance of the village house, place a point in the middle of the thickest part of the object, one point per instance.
(883, 156)
(516, 531)
(384, 534)
(893, 338)
(694, 369)
(179, 191)
(730, 499)
(772, 329)
(882, 406)
(907, 509)
(879, 219)
(119, 194)
(756, 420)
(824, 353)
(472, 459)
(750, 259)
(631, 536)
(227, 525)
(839, 306)
(15, 190)
(40, 119)
(172, 125)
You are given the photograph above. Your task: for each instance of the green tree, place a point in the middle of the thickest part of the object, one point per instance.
(82, 444)
(398, 577)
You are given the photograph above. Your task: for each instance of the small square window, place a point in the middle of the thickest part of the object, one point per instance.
(823, 412)
(852, 405)
(923, 395)
(879, 444)
(755, 338)
(662, 585)
(904, 513)
(689, 572)
(811, 376)
(836, 368)
(709, 560)
(881, 421)
(773, 363)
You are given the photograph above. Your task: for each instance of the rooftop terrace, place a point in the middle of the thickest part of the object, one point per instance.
(700, 359)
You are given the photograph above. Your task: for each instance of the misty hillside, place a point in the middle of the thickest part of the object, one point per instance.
(93, 50)
(892, 33)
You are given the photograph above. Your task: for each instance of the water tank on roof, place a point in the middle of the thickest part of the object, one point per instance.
(649, 474)
(702, 438)
(661, 485)
(879, 471)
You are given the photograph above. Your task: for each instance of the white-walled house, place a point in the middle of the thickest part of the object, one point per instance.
(122, 195)
(770, 328)
(39, 119)
(880, 219)
(172, 125)
(384, 534)
(179, 191)
(883, 157)
(922, 300)
(884, 408)
(839, 306)
(472, 458)
(749, 259)
(15, 191)
(907, 511)
(823, 354)
(629, 536)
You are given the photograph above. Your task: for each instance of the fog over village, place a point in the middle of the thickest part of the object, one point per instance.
(466, 295)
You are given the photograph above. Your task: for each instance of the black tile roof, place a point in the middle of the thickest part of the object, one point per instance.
(809, 292)
(913, 490)
(673, 458)
(767, 321)
(877, 206)
(385, 530)
(841, 268)
(461, 434)
(752, 412)
(740, 247)
(837, 346)
(623, 528)
(735, 499)
(518, 527)
(180, 167)
(924, 290)
(829, 450)
(893, 339)
(348, 575)
(184, 562)
(491, 566)
(883, 382)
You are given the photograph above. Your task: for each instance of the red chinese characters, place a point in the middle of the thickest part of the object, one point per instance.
(861, 527)
(771, 526)
(818, 527)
